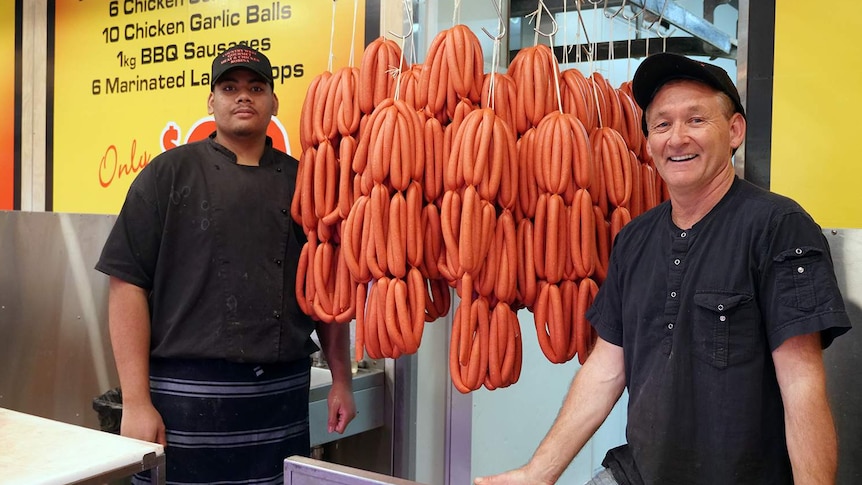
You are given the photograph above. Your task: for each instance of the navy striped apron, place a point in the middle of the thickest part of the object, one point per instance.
(230, 423)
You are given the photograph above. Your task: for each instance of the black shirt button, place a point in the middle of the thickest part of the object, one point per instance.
(284, 211)
(276, 314)
(277, 261)
(278, 169)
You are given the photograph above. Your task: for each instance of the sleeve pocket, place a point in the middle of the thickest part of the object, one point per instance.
(796, 272)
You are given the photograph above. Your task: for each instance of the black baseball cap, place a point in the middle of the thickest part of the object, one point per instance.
(658, 69)
(241, 56)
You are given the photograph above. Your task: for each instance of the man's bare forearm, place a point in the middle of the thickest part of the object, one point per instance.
(335, 343)
(129, 323)
(595, 390)
(811, 438)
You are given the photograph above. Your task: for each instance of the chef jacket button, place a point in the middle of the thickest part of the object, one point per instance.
(800, 270)
(798, 250)
(276, 314)
(277, 261)
(673, 294)
(683, 234)
(722, 318)
(284, 211)
(670, 326)
(676, 261)
(278, 169)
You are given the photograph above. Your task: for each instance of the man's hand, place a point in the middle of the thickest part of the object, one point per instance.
(342, 409)
(144, 423)
(518, 476)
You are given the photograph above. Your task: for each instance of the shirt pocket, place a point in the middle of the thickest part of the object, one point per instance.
(725, 328)
(796, 274)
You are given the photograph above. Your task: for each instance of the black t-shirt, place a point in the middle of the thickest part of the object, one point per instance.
(214, 244)
(698, 313)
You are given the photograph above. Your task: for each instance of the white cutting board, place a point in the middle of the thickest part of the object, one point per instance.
(35, 450)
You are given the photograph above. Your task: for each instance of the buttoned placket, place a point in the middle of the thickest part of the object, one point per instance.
(285, 211)
(676, 271)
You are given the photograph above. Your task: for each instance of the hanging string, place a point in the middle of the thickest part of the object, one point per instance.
(632, 32)
(537, 16)
(495, 54)
(403, 37)
(550, 37)
(492, 82)
(565, 34)
(331, 38)
(353, 34)
(657, 29)
(593, 48)
(413, 55)
(595, 45)
(611, 53)
(582, 27)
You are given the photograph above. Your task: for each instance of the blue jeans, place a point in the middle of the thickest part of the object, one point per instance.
(603, 477)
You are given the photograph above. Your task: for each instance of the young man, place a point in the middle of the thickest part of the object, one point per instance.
(713, 315)
(211, 347)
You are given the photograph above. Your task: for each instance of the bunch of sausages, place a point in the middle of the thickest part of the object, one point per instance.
(508, 188)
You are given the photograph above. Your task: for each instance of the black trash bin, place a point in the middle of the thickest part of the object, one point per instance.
(109, 406)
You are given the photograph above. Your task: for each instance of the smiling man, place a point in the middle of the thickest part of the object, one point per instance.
(714, 314)
(211, 346)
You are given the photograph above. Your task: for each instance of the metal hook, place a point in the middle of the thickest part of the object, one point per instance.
(657, 31)
(635, 15)
(551, 16)
(611, 17)
(583, 26)
(660, 17)
(501, 24)
(408, 17)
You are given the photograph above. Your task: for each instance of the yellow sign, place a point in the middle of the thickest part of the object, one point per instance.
(7, 119)
(132, 77)
(816, 106)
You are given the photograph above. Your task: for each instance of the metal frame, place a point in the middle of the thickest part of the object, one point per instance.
(299, 470)
(151, 461)
(673, 14)
(844, 357)
(622, 49)
(706, 41)
(755, 75)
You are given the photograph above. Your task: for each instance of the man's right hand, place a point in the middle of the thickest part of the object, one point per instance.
(144, 423)
(518, 476)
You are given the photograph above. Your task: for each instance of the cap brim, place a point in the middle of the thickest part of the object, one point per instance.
(658, 69)
(269, 80)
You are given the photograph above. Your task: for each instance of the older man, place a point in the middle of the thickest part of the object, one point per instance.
(713, 315)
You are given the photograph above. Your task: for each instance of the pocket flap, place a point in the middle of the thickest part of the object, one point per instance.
(720, 302)
(798, 253)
